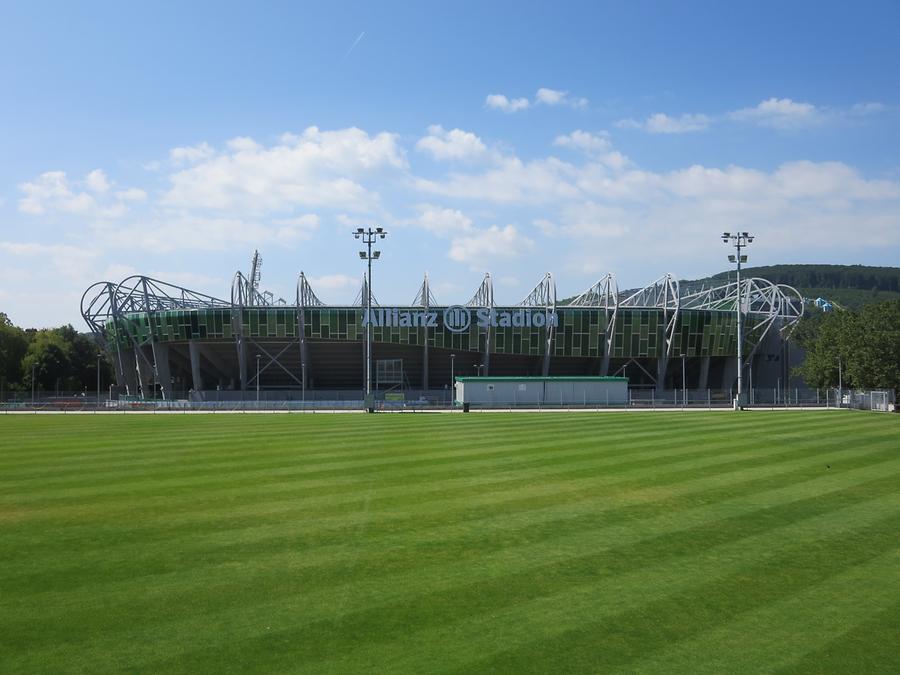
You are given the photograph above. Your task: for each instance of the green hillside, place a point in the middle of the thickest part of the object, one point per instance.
(851, 286)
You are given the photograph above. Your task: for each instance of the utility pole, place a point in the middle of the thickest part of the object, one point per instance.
(369, 236)
(739, 240)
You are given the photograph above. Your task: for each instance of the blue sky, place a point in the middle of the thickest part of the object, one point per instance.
(515, 138)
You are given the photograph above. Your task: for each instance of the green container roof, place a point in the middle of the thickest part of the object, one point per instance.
(558, 378)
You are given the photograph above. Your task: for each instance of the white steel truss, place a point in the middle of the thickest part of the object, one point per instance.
(484, 296)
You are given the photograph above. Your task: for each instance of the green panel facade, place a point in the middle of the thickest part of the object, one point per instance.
(639, 333)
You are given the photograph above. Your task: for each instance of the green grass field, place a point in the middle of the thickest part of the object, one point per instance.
(648, 542)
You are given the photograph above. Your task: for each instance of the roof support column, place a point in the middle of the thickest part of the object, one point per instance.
(144, 372)
(703, 382)
(196, 375)
(163, 373)
(128, 368)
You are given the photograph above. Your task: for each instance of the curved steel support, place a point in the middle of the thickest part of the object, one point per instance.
(305, 298)
(360, 300)
(484, 296)
(544, 296)
(603, 295)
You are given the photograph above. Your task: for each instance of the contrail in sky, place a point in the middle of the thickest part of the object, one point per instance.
(355, 42)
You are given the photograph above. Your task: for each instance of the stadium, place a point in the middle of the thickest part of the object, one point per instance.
(167, 342)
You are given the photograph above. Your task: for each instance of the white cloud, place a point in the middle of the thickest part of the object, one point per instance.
(780, 113)
(553, 97)
(869, 108)
(132, 195)
(440, 221)
(660, 123)
(482, 247)
(335, 287)
(584, 140)
(53, 192)
(454, 144)
(501, 102)
(543, 96)
(315, 168)
(180, 231)
(65, 259)
(191, 153)
(550, 96)
(243, 144)
(513, 181)
(96, 181)
(594, 145)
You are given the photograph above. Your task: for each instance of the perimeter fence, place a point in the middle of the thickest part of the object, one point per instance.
(344, 401)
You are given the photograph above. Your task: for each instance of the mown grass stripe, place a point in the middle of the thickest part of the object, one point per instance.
(406, 542)
(488, 511)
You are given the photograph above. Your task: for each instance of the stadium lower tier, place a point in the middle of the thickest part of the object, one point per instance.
(288, 350)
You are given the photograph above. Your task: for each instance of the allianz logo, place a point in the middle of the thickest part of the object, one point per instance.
(458, 319)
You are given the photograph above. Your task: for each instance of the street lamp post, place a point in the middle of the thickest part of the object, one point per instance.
(739, 240)
(369, 236)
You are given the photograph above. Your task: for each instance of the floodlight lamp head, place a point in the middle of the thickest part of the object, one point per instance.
(743, 258)
(379, 230)
(731, 258)
(750, 239)
(362, 255)
(376, 255)
(726, 235)
(359, 230)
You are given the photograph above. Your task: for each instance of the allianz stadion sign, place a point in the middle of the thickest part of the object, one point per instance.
(458, 319)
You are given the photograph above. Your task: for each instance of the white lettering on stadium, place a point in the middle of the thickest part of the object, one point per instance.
(457, 319)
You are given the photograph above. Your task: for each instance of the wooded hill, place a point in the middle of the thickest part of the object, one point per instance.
(850, 286)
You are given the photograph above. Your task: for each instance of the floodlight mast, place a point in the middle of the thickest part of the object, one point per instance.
(738, 240)
(369, 236)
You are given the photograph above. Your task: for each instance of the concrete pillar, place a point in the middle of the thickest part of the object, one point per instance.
(128, 369)
(425, 362)
(486, 356)
(662, 365)
(703, 381)
(196, 375)
(729, 373)
(163, 372)
(549, 344)
(144, 372)
(242, 363)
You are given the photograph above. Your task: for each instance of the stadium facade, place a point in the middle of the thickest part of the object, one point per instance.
(165, 340)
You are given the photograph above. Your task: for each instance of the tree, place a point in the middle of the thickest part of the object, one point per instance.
(83, 350)
(865, 343)
(48, 358)
(823, 339)
(13, 345)
(874, 345)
